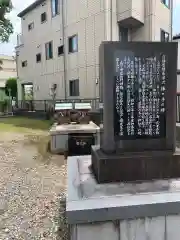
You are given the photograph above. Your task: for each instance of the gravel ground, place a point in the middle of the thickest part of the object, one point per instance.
(30, 192)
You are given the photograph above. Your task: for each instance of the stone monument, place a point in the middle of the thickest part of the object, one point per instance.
(139, 95)
(139, 84)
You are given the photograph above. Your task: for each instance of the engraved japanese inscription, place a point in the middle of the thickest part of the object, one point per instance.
(140, 96)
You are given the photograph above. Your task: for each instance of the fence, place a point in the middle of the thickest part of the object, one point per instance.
(46, 105)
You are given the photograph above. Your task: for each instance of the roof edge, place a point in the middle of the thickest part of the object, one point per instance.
(30, 8)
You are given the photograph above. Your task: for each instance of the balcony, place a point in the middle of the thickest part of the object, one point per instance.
(19, 40)
(130, 13)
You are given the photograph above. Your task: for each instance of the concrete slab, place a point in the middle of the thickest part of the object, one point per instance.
(74, 128)
(88, 201)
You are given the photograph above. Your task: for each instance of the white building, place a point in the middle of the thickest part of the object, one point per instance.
(177, 39)
(60, 40)
(7, 69)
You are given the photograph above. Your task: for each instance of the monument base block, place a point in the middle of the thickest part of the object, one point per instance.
(127, 167)
(120, 211)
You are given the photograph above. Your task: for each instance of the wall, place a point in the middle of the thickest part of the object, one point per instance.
(160, 228)
(93, 22)
(8, 69)
(85, 18)
(157, 17)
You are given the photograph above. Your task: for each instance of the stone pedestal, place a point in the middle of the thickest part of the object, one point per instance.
(59, 135)
(120, 211)
(137, 166)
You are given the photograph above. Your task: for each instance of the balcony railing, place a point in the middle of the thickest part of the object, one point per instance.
(19, 40)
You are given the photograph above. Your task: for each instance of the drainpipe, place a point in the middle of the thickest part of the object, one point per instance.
(64, 57)
(108, 20)
(18, 83)
(111, 19)
(171, 20)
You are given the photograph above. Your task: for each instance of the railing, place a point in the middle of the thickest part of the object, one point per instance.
(47, 105)
(19, 40)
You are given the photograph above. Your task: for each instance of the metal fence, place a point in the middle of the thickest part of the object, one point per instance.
(46, 105)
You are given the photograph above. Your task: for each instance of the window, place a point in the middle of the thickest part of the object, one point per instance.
(60, 50)
(43, 17)
(123, 34)
(166, 2)
(73, 44)
(54, 7)
(164, 36)
(24, 63)
(38, 57)
(30, 26)
(74, 87)
(49, 50)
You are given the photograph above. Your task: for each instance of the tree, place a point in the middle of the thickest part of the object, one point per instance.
(11, 87)
(1, 64)
(6, 27)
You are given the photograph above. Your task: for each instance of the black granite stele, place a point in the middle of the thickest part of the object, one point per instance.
(139, 82)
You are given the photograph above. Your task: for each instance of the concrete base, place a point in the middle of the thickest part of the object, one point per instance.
(121, 211)
(59, 135)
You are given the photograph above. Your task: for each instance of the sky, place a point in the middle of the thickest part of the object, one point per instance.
(19, 5)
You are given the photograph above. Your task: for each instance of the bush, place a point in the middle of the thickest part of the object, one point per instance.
(4, 105)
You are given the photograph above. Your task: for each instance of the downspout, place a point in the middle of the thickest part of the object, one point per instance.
(111, 20)
(108, 20)
(64, 56)
(171, 20)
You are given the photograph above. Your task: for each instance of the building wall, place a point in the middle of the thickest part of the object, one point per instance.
(92, 21)
(157, 16)
(178, 66)
(8, 69)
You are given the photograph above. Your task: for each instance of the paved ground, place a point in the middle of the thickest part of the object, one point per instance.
(30, 190)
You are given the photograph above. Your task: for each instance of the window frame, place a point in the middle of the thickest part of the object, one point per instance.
(166, 4)
(56, 11)
(73, 89)
(23, 64)
(70, 49)
(38, 54)
(60, 54)
(46, 49)
(45, 14)
(30, 24)
(163, 35)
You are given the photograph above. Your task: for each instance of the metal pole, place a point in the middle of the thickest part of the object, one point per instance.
(64, 57)
(171, 8)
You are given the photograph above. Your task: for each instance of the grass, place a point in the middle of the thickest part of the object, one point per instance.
(35, 131)
(23, 124)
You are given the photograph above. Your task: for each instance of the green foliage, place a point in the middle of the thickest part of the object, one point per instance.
(11, 84)
(3, 106)
(6, 27)
(1, 64)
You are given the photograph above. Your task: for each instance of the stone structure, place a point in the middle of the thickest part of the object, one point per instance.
(139, 95)
(59, 135)
(138, 143)
(118, 211)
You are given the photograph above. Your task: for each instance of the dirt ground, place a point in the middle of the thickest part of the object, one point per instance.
(32, 184)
